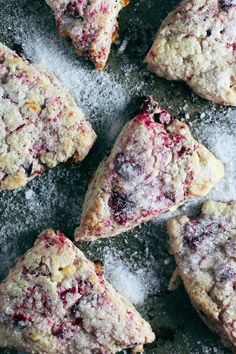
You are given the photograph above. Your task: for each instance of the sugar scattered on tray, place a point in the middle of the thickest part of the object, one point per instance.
(29, 194)
(99, 94)
(219, 135)
(202, 115)
(133, 282)
(103, 96)
(207, 350)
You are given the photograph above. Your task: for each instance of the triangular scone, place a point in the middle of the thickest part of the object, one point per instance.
(40, 122)
(154, 166)
(205, 253)
(91, 24)
(197, 44)
(56, 301)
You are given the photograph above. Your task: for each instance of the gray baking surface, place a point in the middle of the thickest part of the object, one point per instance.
(55, 199)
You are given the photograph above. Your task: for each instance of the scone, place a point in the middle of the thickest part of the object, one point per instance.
(91, 24)
(197, 44)
(40, 122)
(154, 166)
(205, 253)
(56, 301)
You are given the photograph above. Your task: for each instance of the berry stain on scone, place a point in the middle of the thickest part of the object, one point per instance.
(197, 44)
(56, 301)
(154, 166)
(40, 122)
(204, 250)
(91, 24)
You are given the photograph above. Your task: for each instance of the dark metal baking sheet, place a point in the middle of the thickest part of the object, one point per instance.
(59, 192)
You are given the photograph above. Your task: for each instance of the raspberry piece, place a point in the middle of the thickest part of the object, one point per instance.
(74, 10)
(122, 207)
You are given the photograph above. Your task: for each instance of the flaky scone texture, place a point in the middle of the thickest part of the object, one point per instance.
(91, 24)
(197, 44)
(205, 253)
(154, 166)
(56, 301)
(40, 122)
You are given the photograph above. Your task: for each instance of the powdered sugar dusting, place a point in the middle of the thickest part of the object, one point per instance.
(29, 194)
(100, 94)
(132, 281)
(231, 30)
(224, 79)
(225, 148)
(220, 137)
(92, 88)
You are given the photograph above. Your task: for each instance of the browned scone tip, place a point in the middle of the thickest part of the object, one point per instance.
(91, 25)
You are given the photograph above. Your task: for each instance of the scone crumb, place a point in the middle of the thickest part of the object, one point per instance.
(175, 281)
(138, 349)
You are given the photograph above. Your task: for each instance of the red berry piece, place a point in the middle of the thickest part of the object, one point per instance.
(65, 292)
(20, 319)
(121, 206)
(74, 10)
(225, 272)
(196, 233)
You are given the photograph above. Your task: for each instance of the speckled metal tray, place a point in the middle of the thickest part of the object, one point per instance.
(58, 193)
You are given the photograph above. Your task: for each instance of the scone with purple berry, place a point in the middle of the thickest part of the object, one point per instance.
(205, 253)
(154, 166)
(91, 24)
(56, 301)
(40, 122)
(197, 44)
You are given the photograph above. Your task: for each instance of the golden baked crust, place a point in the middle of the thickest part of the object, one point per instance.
(154, 166)
(40, 122)
(196, 43)
(204, 250)
(91, 24)
(56, 301)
